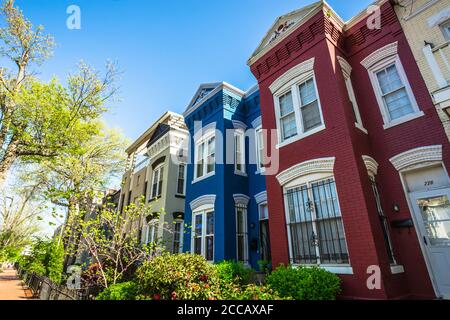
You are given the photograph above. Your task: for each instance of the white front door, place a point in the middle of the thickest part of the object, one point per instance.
(432, 215)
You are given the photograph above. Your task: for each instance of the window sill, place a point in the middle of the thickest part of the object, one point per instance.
(154, 199)
(299, 137)
(397, 268)
(181, 196)
(344, 269)
(240, 173)
(404, 119)
(203, 177)
(360, 127)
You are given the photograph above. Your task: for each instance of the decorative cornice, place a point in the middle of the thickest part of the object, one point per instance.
(257, 122)
(308, 167)
(416, 156)
(261, 197)
(345, 66)
(239, 125)
(292, 73)
(208, 199)
(380, 54)
(241, 199)
(371, 165)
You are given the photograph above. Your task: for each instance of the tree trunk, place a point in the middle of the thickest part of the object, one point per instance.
(8, 160)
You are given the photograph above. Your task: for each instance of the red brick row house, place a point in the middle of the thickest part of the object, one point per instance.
(363, 158)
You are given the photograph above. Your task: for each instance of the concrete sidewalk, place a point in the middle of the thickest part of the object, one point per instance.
(11, 287)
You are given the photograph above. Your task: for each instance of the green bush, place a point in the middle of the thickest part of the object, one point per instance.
(177, 277)
(232, 271)
(304, 283)
(120, 291)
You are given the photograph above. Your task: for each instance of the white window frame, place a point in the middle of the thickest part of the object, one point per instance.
(157, 172)
(203, 211)
(260, 211)
(380, 65)
(293, 87)
(184, 179)
(151, 231)
(204, 140)
(259, 147)
(243, 209)
(308, 180)
(445, 28)
(181, 222)
(239, 135)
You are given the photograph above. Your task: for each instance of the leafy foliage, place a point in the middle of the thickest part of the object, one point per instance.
(232, 271)
(174, 277)
(120, 291)
(304, 283)
(46, 259)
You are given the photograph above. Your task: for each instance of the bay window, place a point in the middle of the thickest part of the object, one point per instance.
(205, 156)
(203, 234)
(241, 234)
(314, 222)
(157, 181)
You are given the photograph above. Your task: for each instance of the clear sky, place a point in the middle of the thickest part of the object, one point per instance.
(165, 48)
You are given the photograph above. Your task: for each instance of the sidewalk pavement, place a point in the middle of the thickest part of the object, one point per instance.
(11, 287)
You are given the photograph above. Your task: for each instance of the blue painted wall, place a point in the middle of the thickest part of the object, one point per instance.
(222, 108)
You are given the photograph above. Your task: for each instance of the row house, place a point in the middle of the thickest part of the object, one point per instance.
(226, 201)
(156, 174)
(362, 188)
(426, 24)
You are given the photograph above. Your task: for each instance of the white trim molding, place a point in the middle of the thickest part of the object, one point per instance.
(261, 197)
(257, 122)
(241, 199)
(371, 165)
(380, 54)
(207, 199)
(239, 125)
(416, 156)
(295, 72)
(345, 66)
(311, 166)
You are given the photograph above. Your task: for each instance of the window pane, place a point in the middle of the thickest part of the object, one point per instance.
(288, 126)
(389, 79)
(161, 175)
(264, 240)
(260, 147)
(210, 248)
(181, 171)
(307, 92)
(311, 116)
(200, 160)
(211, 160)
(286, 104)
(240, 248)
(210, 223)
(398, 104)
(198, 234)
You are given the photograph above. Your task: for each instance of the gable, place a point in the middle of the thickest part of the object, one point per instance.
(283, 25)
(203, 91)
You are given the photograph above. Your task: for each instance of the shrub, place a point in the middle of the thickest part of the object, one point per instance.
(232, 271)
(120, 291)
(177, 277)
(304, 283)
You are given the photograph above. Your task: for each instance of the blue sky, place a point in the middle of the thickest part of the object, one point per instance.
(164, 48)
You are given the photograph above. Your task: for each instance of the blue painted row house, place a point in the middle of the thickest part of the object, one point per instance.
(226, 202)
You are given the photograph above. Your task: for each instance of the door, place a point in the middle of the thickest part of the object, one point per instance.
(432, 213)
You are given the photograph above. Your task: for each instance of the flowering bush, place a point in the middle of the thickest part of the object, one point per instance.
(304, 283)
(177, 277)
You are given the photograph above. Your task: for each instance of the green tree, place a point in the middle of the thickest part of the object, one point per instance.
(41, 120)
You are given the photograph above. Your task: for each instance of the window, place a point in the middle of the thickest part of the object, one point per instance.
(392, 90)
(315, 228)
(383, 220)
(177, 237)
(241, 234)
(239, 152)
(181, 185)
(157, 181)
(203, 234)
(299, 110)
(150, 232)
(394, 93)
(445, 27)
(264, 238)
(205, 157)
(260, 149)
